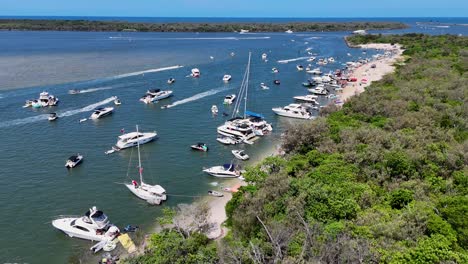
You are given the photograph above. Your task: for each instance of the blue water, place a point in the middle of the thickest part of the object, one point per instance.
(37, 187)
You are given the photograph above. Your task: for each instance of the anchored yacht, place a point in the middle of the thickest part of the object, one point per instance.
(94, 225)
(73, 161)
(101, 112)
(293, 110)
(134, 138)
(45, 100)
(155, 95)
(225, 171)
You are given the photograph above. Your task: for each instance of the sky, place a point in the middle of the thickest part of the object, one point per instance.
(236, 8)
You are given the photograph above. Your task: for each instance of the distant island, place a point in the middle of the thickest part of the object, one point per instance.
(88, 25)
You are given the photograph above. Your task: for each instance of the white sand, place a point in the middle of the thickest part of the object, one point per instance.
(383, 66)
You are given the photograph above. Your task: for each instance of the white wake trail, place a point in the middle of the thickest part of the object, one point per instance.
(291, 60)
(96, 89)
(199, 96)
(145, 71)
(38, 118)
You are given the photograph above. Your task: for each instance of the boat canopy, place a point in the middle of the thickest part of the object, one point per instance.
(250, 113)
(73, 158)
(130, 135)
(154, 90)
(229, 167)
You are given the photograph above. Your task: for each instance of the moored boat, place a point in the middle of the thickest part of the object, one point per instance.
(101, 112)
(229, 99)
(227, 78)
(74, 161)
(200, 147)
(240, 154)
(215, 193)
(294, 111)
(133, 139)
(225, 171)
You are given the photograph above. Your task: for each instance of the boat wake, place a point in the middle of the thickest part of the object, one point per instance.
(96, 89)
(291, 60)
(202, 38)
(198, 96)
(145, 71)
(38, 118)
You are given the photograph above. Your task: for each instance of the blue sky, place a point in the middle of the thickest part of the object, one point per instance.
(236, 8)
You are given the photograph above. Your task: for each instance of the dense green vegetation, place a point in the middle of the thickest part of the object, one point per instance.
(382, 180)
(87, 25)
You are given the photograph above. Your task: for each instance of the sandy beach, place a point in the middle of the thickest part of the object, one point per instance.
(383, 66)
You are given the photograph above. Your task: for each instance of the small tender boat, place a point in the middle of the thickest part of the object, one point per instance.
(243, 31)
(227, 78)
(117, 101)
(226, 140)
(195, 73)
(264, 56)
(74, 91)
(52, 116)
(73, 161)
(225, 171)
(274, 70)
(299, 67)
(277, 82)
(214, 109)
(171, 81)
(264, 86)
(200, 147)
(101, 112)
(215, 193)
(229, 99)
(240, 154)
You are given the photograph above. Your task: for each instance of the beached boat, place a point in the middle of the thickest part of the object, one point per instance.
(293, 110)
(229, 99)
(101, 112)
(315, 71)
(52, 117)
(215, 193)
(240, 154)
(73, 161)
(133, 139)
(319, 90)
(94, 226)
(310, 98)
(227, 78)
(152, 194)
(225, 171)
(200, 147)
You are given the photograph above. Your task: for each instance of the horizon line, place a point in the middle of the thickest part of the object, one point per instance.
(110, 16)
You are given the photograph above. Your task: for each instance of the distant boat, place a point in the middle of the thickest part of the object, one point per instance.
(171, 81)
(200, 147)
(214, 109)
(264, 86)
(227, 78)
(264, 56)
(229, 99)
(74, 91)
(195, 73)
(289, 31)
(101, 112)
(215, 193)
(243, 31)
(52, 117)
(133, 139)
(73, 161)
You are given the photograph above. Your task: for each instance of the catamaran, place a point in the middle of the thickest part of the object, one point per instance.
(153, 194)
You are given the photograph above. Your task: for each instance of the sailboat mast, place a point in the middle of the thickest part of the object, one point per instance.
(139, 158)
(247, 84)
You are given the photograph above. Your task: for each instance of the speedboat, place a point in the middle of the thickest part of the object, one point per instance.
(264, 56)
(94, 226)
(243, 31)
(215, 193)
(101, 112)
(171, 81)
(226, 140)
(274, 70)
(214, 109)
(299, 67)
(293, 110)
(315, 71)
(200, 147)
(52, 116)
(277, 82)
(240, 154)
(320, 90)
(225, 171)
(155, 95)
(134, 138)
(310, 98)
(227, 78)
(264, 86)
(195, 73)
(229, 99)
(73, 161)
(117, 101)
(74, 91)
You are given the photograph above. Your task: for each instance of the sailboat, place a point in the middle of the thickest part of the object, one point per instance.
(153, 194)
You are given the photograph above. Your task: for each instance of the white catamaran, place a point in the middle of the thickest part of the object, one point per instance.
(153, 194)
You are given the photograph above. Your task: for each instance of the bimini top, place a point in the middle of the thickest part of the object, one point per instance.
(73, 158)
(229, 167)
(249, 113)
(154, 90)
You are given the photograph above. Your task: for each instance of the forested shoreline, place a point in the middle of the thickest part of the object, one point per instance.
(89, 25)
(384, 179)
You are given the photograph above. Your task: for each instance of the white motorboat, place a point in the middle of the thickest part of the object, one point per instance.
(195, 73)
(315, 71)
(215, 193)
(288, 31)
(299, 67)
(171, 81)
(293, 110)
(200, 147)
(28, 103)
(52, 117)
(153, 194)
(155, 95)
(74, 91)
(133, 139)
(214, 109)
(240, 154)
(238, 128)
(331, 59)
(101, 112)
(229, 99)
(310, 98)
(226, 140)
(274, 70)
(320, 90)
(94, 226)
(311, 59)
(258, 124)
(227, 78)
(232, 54)
(264, 56)
(45, 100)
(225, 171)
(117, 101)
(243, 31)
(73, 161)
(264, 86)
